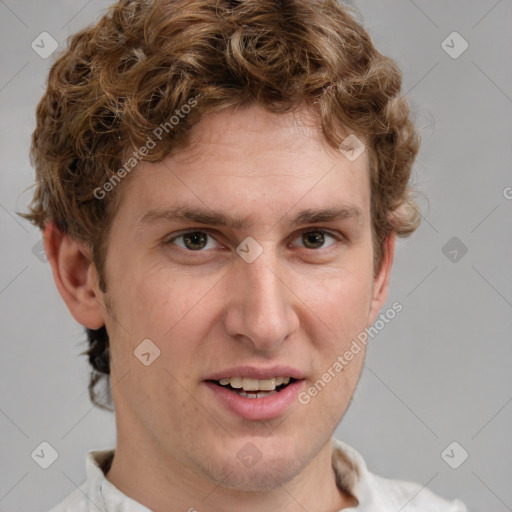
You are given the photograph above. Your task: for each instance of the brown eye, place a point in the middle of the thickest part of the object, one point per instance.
(317, 239)
(313, 239)
(194, 241)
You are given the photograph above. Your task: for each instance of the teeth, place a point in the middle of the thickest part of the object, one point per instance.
(248, 384)
(236, 382)
(267, 384)
(256, 395)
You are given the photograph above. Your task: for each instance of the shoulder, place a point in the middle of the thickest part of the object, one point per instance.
(88, 496)
(412, 497)
(75, 502)
(378, 494)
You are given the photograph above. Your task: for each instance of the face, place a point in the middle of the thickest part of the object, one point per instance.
(246, 259)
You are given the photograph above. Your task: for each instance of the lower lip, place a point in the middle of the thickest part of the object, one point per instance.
(257, 409)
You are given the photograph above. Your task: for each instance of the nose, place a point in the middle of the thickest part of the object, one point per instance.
(260, 306)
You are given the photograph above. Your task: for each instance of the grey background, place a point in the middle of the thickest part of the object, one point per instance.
(439, 372)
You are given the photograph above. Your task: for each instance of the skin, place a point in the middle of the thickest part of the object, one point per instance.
(209, 309)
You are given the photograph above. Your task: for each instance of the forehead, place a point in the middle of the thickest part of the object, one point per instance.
(248, 160)
(253, 135)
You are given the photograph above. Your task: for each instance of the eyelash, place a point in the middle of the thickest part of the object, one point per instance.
(337, 237)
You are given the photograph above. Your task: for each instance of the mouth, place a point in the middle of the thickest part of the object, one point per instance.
(254, 388)
(256, 393)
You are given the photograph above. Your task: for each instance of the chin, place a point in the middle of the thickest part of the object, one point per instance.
(268, 474)
(271, 467)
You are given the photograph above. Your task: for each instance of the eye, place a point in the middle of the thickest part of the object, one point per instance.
(316, 238)
(193, 240)
(198, 241)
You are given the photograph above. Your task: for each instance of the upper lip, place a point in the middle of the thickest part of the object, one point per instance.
(255, 372)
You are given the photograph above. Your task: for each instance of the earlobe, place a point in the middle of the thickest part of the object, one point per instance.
(381, 281)
(75, 276)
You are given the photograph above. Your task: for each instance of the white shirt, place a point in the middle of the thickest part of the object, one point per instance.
(374, 493)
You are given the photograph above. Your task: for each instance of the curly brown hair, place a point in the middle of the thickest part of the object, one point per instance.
(122, 78)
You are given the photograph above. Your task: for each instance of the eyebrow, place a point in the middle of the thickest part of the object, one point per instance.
(219, 218)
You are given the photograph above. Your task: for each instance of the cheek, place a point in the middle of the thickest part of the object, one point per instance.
(154, 301)
(341, 301)
(337, 313)
(165, 311)
(177, 313)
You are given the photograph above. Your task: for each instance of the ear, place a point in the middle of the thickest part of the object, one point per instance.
(75, 276)
(381, 280)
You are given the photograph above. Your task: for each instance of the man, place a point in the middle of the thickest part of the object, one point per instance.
(220, 185)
